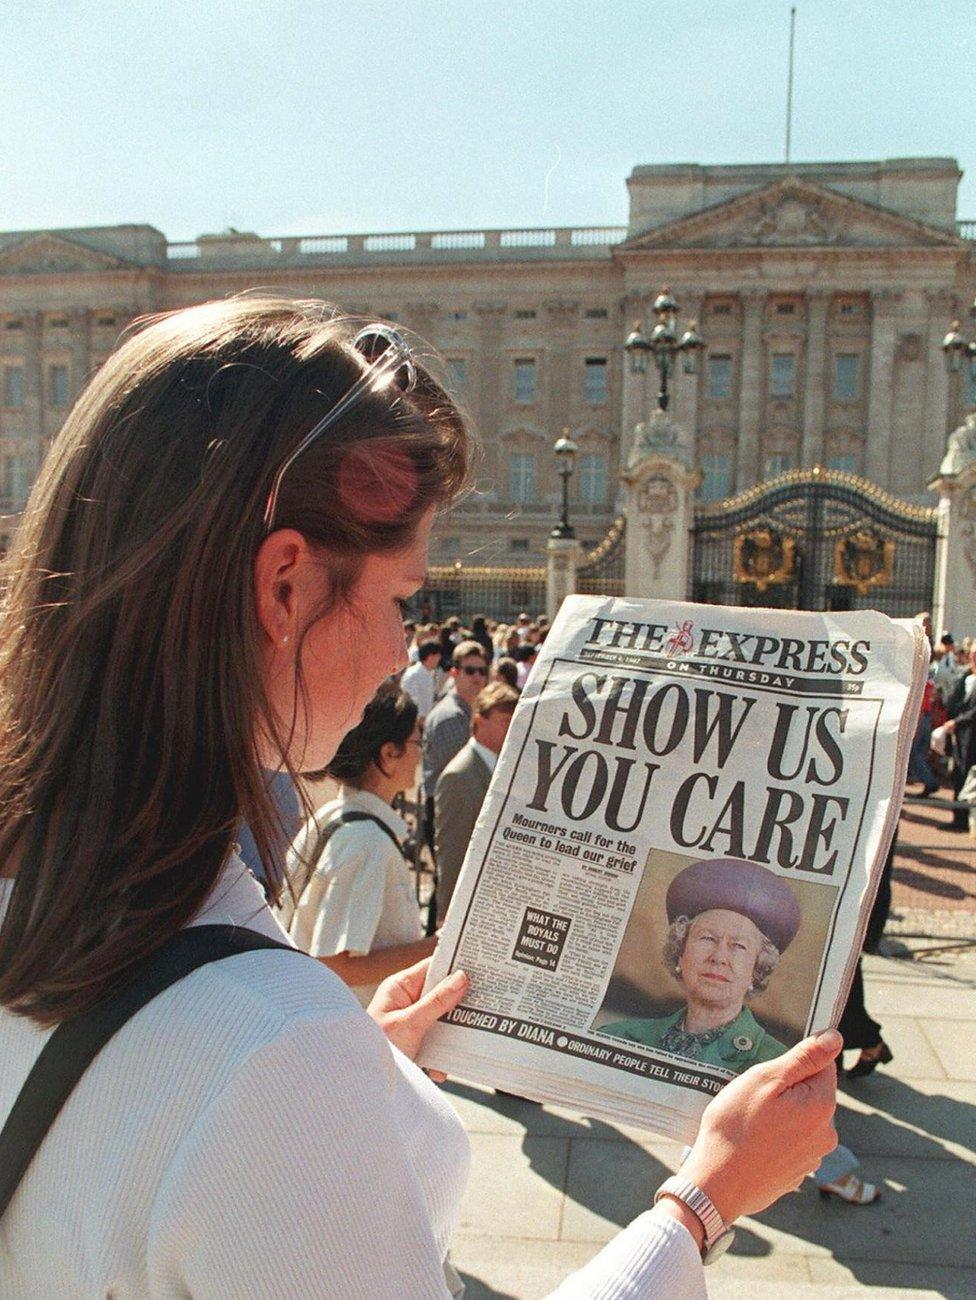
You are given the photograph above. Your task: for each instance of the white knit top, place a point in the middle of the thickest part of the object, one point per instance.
(251, 1134)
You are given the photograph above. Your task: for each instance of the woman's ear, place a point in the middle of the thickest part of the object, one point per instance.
(277, 582)
(390, 751)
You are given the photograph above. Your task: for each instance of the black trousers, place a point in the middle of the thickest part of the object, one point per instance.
(857, 1027)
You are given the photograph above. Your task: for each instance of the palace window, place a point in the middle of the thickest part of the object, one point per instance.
(13, 386)
(595, 381)
(457, 374)
(847, 376)
(525, 314)
(525, 380)
(719, 376)
(777, 462)
(782, 375)
(521, 477)
(593, 478)
(16, 481)
(715, 476)
(57, 386)
(457, 315)
(968, 387)
(58, 323)
(13, 325)
(786, 309)
(595, 313)
(723, 308)
(518, 544)
(845, 462)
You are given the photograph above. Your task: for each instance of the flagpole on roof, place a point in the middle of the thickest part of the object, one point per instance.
(789, 83)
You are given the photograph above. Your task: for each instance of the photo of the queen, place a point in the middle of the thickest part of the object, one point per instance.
(729, 923)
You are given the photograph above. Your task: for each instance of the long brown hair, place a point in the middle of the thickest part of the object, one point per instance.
(131, 698)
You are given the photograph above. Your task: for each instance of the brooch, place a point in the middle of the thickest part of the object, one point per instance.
(742, 1043)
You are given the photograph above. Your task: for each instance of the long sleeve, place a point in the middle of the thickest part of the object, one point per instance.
(455, 813)
(653, 1258)
(296, 1182)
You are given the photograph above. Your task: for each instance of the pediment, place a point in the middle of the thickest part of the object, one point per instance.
(524, 433)
(48, 254)
(791, 214)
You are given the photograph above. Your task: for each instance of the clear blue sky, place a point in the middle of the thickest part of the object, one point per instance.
(293, 118)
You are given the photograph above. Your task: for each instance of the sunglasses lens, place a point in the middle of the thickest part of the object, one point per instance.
(375, 341)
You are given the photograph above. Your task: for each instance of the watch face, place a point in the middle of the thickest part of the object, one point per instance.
(719, 1246)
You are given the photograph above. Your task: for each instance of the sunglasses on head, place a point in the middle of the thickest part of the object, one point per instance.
(390, 362)
(474, 671)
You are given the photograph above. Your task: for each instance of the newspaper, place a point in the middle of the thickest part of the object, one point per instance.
(672, 871)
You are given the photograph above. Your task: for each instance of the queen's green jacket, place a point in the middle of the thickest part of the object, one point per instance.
(741, 1043)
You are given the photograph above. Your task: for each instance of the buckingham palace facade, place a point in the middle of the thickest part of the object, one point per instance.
(822, 290)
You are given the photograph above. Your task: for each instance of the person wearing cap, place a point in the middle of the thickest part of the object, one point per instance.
(729, 923)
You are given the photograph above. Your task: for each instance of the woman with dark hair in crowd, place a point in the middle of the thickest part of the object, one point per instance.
(208, 583)
(505, 670)
(480, 633)
(352, 901)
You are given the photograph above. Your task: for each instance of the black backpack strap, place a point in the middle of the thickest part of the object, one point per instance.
(75, 1043)
(332, 825)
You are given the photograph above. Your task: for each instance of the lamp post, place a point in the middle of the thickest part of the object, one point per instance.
(665, 345)
(956, 348)
(565, 450)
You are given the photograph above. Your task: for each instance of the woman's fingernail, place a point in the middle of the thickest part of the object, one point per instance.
(458, 979)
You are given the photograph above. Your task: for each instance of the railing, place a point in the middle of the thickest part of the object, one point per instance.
(551, 241)
(966, 229)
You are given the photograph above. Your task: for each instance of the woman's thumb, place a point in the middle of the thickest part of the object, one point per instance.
(807, 1058)
(443, 997)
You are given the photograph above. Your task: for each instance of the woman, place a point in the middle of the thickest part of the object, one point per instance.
(352, 902)
(729, 922)
(209, 580)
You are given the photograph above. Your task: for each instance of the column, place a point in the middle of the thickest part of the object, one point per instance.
(561, 360)
(884, 311)
(562, 561)
(660, 512)
(489, 399)
(34, 394)
(636, 388)
(940, 308)
(955, 559)
(687, 387)
(748, 465)
(817, 380)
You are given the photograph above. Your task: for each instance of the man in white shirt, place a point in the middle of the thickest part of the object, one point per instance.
(462, 786)
(418, 679)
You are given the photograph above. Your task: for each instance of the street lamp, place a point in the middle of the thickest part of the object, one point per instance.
(665, 345)
(956, 347)
(565, 450)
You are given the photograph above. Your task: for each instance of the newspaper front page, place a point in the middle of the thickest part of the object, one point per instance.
(671, 873)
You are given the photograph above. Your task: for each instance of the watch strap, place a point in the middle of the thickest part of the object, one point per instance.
(701, 1205)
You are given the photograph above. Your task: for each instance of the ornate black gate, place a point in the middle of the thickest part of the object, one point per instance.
(815, 539)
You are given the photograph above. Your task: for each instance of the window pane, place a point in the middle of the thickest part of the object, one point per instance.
(521, 477)
(715, 477)
(13, 386)
(593, 479)
(847, 374)
(595, 380)
(15, 480)
(457, 373)
(845, 462)
(777, 463)
(719, 376)
(969, 387)
(58, 389)
(525, 380)
(782, 374)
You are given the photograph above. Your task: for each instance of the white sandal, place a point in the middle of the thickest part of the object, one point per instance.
(851, 1189)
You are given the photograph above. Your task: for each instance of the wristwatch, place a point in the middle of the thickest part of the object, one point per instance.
(719, 1235)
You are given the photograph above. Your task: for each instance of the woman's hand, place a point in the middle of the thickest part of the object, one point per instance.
(768, 1128)
(405, 1016)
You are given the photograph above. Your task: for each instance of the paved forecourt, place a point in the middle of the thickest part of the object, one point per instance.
(548, 1187)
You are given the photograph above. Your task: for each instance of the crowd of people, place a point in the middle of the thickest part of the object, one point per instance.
(944, 748)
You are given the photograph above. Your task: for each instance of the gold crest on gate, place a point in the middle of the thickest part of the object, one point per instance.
(763, 558)
(863, 560)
